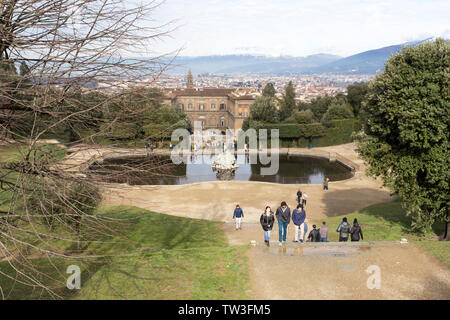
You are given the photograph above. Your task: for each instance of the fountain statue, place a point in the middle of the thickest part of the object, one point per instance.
(225, 165)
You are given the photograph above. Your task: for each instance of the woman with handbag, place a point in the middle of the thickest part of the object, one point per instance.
(267, 220)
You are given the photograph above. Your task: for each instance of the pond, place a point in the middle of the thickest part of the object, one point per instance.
(159, 170)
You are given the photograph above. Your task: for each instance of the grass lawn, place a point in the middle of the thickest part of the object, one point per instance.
(388, 222)
(155, 256)
(15, 152)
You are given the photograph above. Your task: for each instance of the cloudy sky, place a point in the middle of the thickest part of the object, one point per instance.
(299, 27)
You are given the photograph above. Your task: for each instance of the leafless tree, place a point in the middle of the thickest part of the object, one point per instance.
(65, 50)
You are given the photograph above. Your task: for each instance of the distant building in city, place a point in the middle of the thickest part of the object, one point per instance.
(214, 108)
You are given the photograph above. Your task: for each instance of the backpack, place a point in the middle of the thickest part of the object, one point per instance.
(345, 229)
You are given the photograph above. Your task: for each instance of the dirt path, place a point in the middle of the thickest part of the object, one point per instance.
(408, 272)
(334, 271)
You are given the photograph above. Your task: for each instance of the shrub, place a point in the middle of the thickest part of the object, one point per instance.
(337, 112)
(304, 116)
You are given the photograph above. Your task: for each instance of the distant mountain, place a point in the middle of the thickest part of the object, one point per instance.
(368, 62)
(250, 64)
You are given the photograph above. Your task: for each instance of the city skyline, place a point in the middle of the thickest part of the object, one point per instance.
(297, 28)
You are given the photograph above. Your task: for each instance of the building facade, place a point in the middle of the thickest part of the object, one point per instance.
(214, 108)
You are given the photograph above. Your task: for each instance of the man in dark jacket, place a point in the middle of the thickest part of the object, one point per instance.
(344, 230)
(283, 215)
(356, 231)
(238, 214)
(298, 218)
(314, 235)
(299, 196)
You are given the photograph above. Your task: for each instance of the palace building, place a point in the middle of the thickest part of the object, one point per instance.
(214, 108)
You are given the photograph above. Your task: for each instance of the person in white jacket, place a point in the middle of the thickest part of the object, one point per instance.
(304, 198)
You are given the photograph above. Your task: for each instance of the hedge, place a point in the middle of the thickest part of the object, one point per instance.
(300, 135)
(339, 132)
(294, 130)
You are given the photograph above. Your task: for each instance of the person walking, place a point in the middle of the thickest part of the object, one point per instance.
(299, 196)
(267, 220)
(323, 232)
(298, 218)
(314, 235)
(305, 230)
(325, 183)
(283, 215)
(356, 231)
(344, 230)
(304, 198)
(238, 214)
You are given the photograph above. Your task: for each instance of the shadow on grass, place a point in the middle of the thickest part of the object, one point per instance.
(340, 202)
(152, 255)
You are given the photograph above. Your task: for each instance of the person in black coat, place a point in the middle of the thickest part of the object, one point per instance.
(299, 196)
(314, 235)
(267, 220)
(356, 231)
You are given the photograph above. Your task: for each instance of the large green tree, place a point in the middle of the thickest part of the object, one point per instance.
(406, 137)
(269, 90)
(319, 105)
(288, 102)
(336, 112)
(263, 109)
(355, 95)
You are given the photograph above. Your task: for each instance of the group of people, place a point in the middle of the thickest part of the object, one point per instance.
(283, 216)
(150, 146)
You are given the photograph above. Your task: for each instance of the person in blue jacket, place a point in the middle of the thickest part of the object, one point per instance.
(298, 218)
(238, 214)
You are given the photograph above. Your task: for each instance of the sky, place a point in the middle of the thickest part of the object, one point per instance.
(297, 27)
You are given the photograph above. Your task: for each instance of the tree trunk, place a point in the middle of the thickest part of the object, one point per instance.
(446, 236)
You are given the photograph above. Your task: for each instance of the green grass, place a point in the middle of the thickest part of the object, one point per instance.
(380, 222)
(389, 222)
(14, 153)
(440, 249)
(154, 256)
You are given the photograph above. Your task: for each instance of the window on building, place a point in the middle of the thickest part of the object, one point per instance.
(245, 114)
(222, 122)
(240, 114)
(213, 106)
(190, 106)
(222, 106)
(202, 107)
(181, 106)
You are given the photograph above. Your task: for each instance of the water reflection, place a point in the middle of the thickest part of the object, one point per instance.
(159, 170)
(301, 250)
